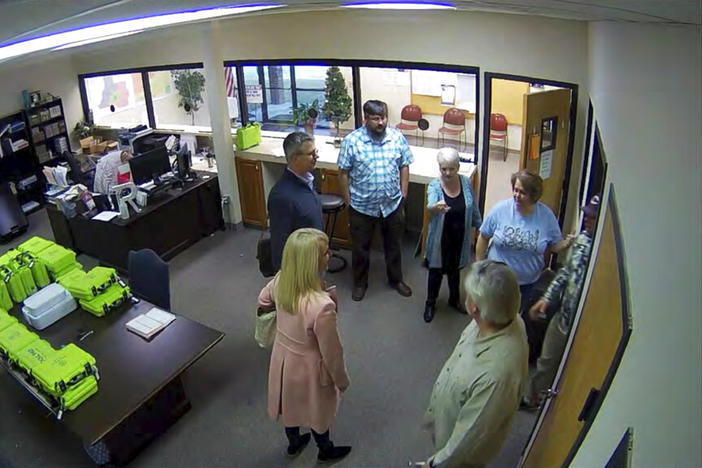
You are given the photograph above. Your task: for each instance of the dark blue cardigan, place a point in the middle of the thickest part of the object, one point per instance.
(291, 205)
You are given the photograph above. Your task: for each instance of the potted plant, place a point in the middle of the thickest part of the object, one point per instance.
(337, 105)
(306, 115)
(190, 85)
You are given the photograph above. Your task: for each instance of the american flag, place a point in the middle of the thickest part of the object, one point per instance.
(229, 81)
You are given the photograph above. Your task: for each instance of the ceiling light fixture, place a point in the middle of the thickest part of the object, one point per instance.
(401, 5)
(96, 39)
(120, 27)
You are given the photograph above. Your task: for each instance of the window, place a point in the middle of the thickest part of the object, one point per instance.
(434, 92)
(274, 92)
(117, 100)
(179, 98)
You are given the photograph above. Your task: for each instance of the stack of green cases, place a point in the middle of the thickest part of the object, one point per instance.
(13, 339)
(6, 320)
(113, 297)
(37, 267)
(33, 355)
(18, 279)
(69, 376)
(58, 260)
(35, 245)
(87, 286)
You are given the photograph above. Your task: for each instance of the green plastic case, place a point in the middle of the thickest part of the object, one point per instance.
(6, 320)
(58, 260)
(64, 369)
(34, 355)
(13, 284)
(36, 266)
(116, 295)
(86, 286)
(35, 245)
(13, 339)
(5, 299)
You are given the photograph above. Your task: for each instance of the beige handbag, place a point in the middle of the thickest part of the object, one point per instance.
(265, 327)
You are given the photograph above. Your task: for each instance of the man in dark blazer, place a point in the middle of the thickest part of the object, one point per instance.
(293, 202)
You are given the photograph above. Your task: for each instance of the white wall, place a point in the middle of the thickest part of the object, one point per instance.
(55, 75)
(645, 86)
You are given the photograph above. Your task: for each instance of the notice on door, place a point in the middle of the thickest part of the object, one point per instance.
(254, 94)
(545, 164)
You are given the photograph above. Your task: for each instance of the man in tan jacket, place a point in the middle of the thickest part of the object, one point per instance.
(478, 391)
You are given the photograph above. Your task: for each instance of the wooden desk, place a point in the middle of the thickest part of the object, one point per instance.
(140, 393)
(171, 222)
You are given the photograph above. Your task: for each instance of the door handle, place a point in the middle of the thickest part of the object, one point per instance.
(550, 393)
(589, 403)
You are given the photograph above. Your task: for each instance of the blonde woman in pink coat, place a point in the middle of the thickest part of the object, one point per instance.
(307, 372)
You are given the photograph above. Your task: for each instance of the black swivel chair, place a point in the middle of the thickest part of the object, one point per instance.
(86, 178)
(331, 206)
(148, 277)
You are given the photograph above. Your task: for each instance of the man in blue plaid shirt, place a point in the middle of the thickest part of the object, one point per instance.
(374, 164)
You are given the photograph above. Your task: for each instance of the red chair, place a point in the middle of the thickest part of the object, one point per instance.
(409, 118)
(454, 124)
(498, 130)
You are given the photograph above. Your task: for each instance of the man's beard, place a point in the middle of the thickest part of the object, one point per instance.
(378, 134)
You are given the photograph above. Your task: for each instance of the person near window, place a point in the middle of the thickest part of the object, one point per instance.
(453, 216)
(562, 294)
(293, 202)
(307, 372)
(523, 231)
(478, 391)
(106, 170)
(374, 177)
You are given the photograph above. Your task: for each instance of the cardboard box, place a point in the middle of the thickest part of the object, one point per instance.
(85, 143)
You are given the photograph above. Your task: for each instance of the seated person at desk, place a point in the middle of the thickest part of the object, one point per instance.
(106, 170)
(293, 202)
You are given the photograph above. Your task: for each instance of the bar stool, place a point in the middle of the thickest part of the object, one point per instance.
(331, 206)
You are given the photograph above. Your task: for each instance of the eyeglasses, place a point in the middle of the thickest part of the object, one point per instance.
(314, 153)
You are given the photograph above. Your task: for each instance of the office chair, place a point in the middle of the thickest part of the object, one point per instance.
(498, 130)
(86, 178)
(454, 124)
(148, 277)
(409, 119)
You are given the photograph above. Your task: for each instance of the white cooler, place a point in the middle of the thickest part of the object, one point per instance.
(48, 305)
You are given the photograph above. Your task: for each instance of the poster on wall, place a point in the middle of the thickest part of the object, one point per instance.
(254, 94)
(448, 95)
(545, 164)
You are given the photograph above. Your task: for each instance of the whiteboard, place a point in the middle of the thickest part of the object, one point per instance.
(428, 83)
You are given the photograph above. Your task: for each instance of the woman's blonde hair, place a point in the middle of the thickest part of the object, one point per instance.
(300, 275)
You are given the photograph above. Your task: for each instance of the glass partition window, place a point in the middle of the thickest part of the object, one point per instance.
(431, 94)
(275, 92)
(180, 99)
(117, 100)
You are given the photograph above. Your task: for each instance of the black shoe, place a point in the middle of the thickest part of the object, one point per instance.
(457, 305)
(402, 289)
(429, 313)
(332, 453)
(297, 448)
(358, 293)
(527, 405)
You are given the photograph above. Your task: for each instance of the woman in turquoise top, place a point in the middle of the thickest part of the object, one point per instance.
(453, 213)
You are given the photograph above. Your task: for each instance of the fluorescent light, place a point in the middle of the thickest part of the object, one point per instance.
(128, 26)
(401, 5)
(96, 39)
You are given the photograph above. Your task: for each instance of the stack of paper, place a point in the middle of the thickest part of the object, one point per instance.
(148, 324)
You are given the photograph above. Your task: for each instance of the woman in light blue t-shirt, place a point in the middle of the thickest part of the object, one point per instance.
(522, 229)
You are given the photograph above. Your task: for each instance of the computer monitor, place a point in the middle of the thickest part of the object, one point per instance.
(184, 161)
(153, 162)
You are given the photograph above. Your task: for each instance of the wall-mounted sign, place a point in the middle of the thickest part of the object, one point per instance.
(254, 94)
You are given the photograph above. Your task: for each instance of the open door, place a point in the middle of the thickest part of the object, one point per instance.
(545, 134)
(597, 344)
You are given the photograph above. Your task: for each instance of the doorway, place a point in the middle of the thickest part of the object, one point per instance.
(530, 125)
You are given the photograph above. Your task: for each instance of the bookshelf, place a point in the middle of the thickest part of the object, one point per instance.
(18, 162)
(48, 133)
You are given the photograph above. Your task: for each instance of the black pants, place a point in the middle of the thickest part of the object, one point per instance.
(362, 228)
(535, 329)
(293, 434)
(434, 285)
